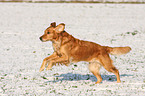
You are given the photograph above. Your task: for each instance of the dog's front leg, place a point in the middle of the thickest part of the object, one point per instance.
(56, 60)
(53, 56)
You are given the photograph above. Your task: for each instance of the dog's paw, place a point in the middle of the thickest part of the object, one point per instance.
(48, 68)
(41, 69)
(98, 82)
(119, 81)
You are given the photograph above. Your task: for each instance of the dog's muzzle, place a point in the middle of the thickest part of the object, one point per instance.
(41, 38)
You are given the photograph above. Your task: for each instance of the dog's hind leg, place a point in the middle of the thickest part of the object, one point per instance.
(94, 67)
(108, 65)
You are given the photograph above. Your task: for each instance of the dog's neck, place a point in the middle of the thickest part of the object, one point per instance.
(62, 39)
(56, 46)
(57, 43)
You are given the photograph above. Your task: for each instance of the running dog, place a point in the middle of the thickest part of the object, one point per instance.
(69, 49)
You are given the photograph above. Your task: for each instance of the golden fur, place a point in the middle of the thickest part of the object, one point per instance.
(69, 49)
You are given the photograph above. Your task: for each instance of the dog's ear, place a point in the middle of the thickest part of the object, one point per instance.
(53, 24)
(60, 28)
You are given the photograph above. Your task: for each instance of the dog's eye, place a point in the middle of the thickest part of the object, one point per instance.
(48, 32)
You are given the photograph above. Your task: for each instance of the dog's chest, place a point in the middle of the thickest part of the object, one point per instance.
(56, 46)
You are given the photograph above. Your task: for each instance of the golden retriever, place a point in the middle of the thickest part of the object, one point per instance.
(69, 49)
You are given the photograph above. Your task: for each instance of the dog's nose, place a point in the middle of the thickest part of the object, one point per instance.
(40, 38)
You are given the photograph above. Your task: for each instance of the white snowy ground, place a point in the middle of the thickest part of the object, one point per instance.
(21, 51)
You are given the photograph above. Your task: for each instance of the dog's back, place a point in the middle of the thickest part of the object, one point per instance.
(81, 50)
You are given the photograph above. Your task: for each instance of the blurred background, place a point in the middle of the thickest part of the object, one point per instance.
(81, 1)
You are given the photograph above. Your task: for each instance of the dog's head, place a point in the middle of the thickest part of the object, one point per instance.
(52, 32)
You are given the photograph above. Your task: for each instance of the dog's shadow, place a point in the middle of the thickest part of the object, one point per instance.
(78, 77)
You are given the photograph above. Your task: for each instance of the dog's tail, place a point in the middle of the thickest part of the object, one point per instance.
(117, 50)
